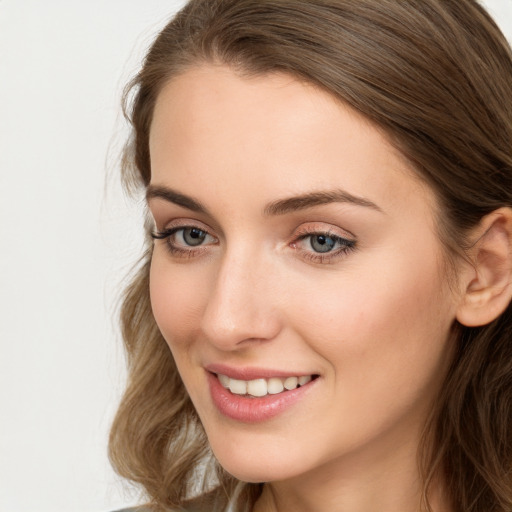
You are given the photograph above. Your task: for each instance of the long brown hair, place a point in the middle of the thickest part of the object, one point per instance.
(436, 76)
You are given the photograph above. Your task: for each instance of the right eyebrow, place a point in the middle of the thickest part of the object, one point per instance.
(302, 202)
(170, 195)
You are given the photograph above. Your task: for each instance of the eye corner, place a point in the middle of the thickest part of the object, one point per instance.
(156, 234)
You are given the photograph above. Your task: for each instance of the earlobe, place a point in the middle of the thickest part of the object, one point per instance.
(488, 288)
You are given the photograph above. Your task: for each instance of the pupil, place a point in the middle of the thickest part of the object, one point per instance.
(194, 236)
(322, 243)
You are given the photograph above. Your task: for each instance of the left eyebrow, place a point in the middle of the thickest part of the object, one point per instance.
(302, 202)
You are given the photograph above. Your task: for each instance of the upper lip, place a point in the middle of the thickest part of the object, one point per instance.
(251, 373)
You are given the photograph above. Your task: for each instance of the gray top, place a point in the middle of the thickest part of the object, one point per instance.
(212, 501)
(206, 503)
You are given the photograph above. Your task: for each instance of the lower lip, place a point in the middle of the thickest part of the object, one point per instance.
(254, 410)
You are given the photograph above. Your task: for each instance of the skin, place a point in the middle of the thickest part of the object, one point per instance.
(372, 322)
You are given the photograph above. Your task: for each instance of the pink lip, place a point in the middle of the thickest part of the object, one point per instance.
(250, 373)
(254, 410)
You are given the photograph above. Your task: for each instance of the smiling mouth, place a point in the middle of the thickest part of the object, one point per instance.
(258, 388)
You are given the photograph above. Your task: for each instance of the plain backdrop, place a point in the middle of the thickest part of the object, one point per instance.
(68, 237)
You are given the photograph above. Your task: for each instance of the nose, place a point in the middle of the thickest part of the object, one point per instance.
(241, 306)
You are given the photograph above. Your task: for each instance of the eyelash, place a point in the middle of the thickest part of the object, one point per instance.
(346, 245)
(173, 248)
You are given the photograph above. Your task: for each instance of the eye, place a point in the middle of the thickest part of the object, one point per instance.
(191, 236)
(322, 243)
(185, 240)
(322, 246)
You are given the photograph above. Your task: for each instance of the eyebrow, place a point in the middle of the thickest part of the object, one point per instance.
(172, 196)
(279, 207)
(283, 206)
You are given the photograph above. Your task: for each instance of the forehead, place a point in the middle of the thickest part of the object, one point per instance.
(217, 131)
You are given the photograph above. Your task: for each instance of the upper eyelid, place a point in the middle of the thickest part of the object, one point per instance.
(155, 199)
(182, 222)
(330, 229)
(169, 231)
(303, 230)
(329, 235)
(339, 238)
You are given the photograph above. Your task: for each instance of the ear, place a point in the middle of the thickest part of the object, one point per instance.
(488, 282)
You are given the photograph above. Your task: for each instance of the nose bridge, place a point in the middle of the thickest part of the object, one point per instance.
(240, 303)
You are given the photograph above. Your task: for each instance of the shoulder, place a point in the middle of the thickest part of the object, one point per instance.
(140, 508)
(132, 509)
(210, 502)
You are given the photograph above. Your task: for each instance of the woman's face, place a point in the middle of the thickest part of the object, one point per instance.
(296, 246)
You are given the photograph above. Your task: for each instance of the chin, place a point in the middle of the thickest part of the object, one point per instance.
(256, 473)
(253, 464)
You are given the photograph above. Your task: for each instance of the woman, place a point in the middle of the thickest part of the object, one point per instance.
(322, 319)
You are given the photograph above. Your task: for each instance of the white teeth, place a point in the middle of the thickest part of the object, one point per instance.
(224, 380)
(275, 386)
(257, 387)
(238, 387)
(304, 380)
(291, 383)
(262, 387)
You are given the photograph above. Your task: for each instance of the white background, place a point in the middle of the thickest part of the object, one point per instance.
(68, 236)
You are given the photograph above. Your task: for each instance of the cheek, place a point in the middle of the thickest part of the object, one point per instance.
(178, 297)
(382, 328)
(384, 336)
